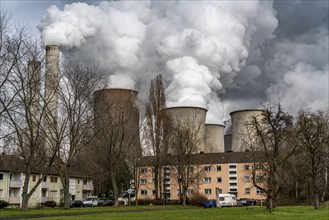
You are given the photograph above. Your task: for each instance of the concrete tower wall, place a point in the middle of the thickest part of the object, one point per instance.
(240, 131)
(192, 118)
(214, 138)
(115, 110)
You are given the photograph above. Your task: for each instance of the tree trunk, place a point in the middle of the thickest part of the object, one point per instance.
(316, 201)
(270, 205)
(66, 187)
(115, 189)
(25, 197)
(325, 185)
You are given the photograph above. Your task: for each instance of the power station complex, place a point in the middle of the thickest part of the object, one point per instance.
(224, 160)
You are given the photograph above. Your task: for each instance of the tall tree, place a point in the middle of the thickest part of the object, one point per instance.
(184, 143)
(269, 140)
(116, 138)
(78, 83)
(154, 131)
(312, 136)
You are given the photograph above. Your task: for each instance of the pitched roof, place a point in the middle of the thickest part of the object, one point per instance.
(207, 158)
(14, 163)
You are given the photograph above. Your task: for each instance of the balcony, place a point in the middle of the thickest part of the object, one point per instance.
(15, 184)
(88, 187)
(14, 200)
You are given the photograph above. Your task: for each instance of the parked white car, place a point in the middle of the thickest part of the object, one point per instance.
(226, 200)
(90, 201)
(124, 198)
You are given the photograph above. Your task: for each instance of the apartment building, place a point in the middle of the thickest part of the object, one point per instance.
(228, 172)
(12, 178)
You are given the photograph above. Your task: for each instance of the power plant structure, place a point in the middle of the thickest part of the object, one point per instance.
(116, 111)
(52, 76)
(241, 132)
(214, 138)
(192, 119)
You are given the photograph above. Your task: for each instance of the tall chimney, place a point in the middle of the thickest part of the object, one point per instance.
(240, 131)
(192, 118)
(214, 138)
(51, 90)
(115, 109)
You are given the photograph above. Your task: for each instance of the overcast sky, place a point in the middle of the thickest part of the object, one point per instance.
(290, 66)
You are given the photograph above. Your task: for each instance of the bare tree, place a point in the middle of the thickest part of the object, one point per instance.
(76, 97)
(312, 136)
(184, 143)
(154, 131)
(269, 140)
(117, 141)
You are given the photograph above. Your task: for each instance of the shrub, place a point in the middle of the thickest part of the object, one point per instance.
(196, 199)
(3, 204)
(51, 204)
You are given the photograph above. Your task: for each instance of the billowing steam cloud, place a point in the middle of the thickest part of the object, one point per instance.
(198, 47)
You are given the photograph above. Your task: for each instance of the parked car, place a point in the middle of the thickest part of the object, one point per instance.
(247, 201)
(101, 201)
(76, 203)
(108, 202)
(210, 204)
(124, 197)
(90, 201)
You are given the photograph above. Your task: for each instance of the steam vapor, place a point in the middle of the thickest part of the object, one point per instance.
(199, 47)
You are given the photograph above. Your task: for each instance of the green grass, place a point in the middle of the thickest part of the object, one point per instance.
(181, 213)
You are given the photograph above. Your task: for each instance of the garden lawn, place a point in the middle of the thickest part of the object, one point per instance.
(184, 213)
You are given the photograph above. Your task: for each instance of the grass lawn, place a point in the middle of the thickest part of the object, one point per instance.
(178, 212)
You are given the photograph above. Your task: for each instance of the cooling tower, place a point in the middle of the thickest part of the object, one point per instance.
(214, 138)
(192, 118)
(240, 132)
(116, 114)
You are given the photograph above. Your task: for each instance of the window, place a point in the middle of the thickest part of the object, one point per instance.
(232, 172)
(259, 167)
(232, 166)
(247, 179)
(1, 193)
(153, 192)
(34, 178)
(232, 177)
(53, 179)
(190, 169)
(247, 191)
(85, 182)
(78, 181)
(143, 170)
(219, 168)
(207, 179)
(45, 178)
(143, 181)
(258, 179)
(219, 179)
(153, 170)
(191, 180)
(233, 190)
(143, 192)
(190, 191)
(53, 194)
(1, 176)
(207, 191)
(177, 191)
(246, 167)
(153, 180)
(207, 168)
(259, 191)
(233, 184)
(44, 192)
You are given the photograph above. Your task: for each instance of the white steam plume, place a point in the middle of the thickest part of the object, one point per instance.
(198, 46)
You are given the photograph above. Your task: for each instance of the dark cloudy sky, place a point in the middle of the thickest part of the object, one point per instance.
(291, 68)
